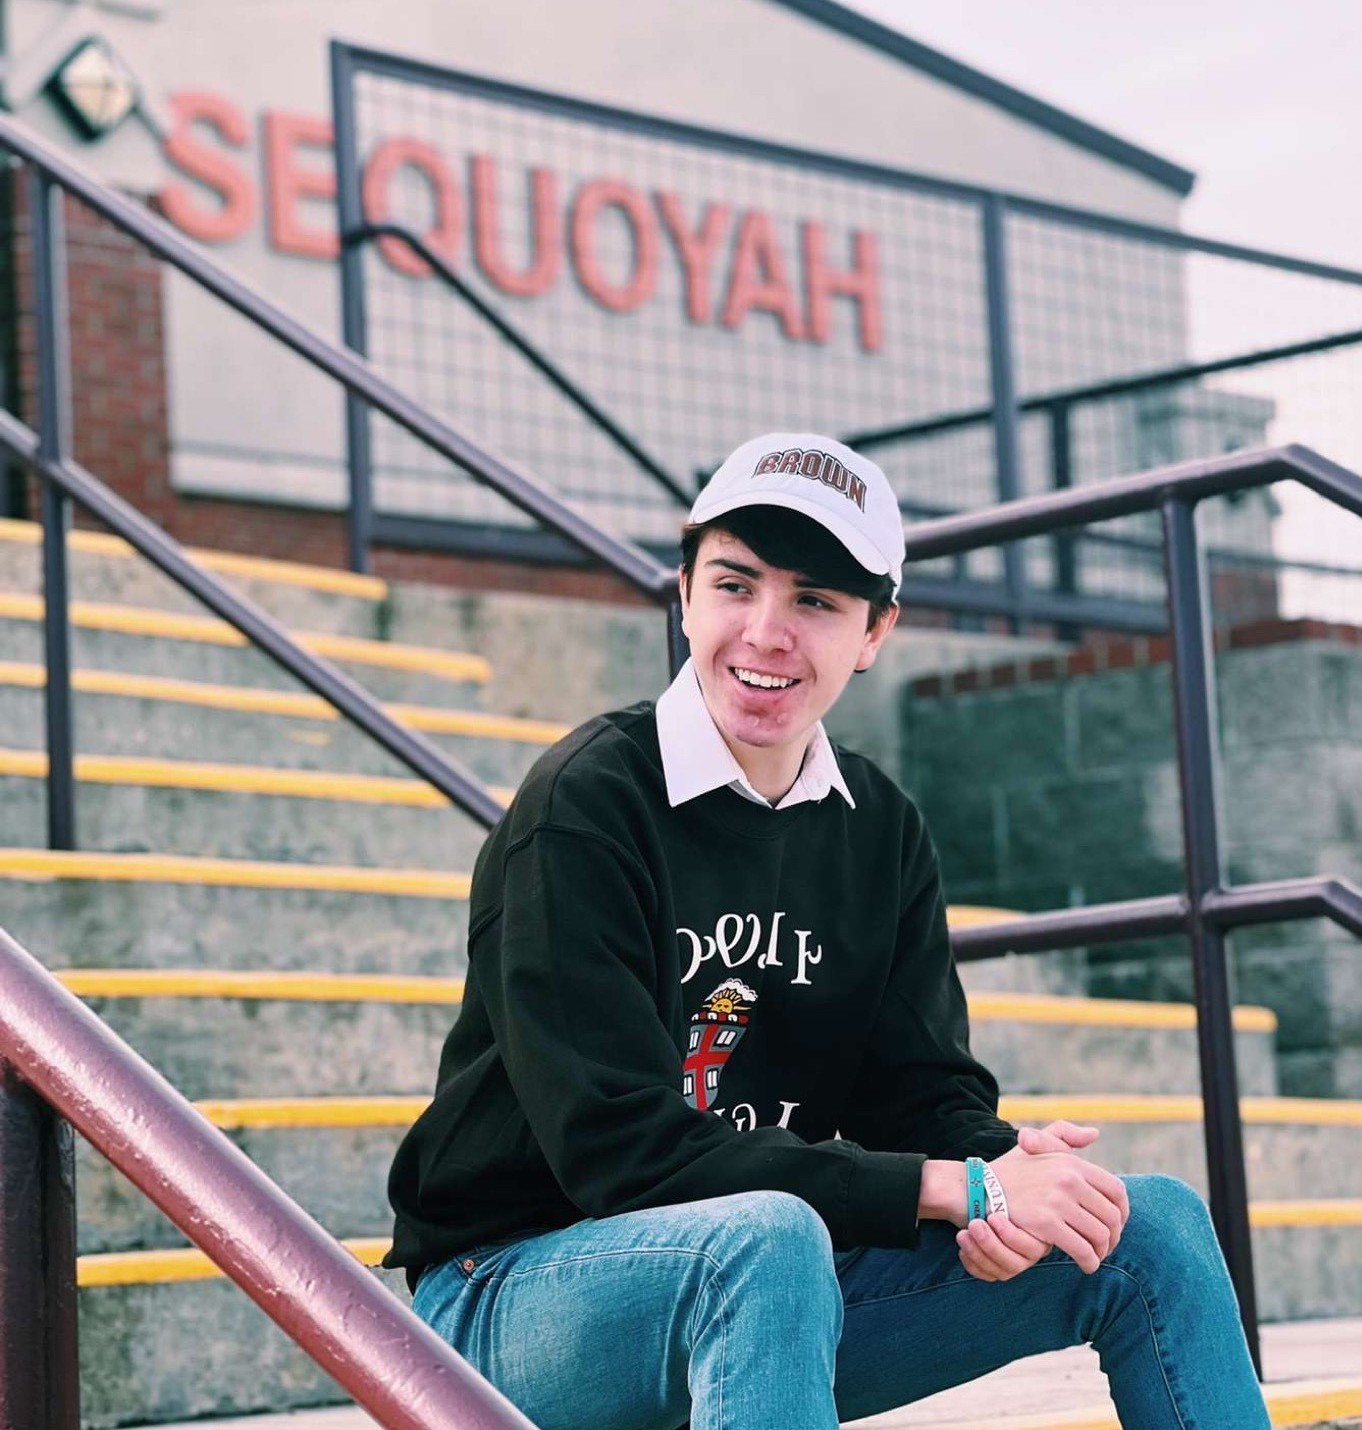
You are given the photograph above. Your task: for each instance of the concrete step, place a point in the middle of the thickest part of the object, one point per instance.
(340, 1174)
(229, 1047)
(147, 641)
(557, 658)
(130, 910)
(103, 567)
(121, 714)
(228, 812)
(1108, 1043)
(178, 1351)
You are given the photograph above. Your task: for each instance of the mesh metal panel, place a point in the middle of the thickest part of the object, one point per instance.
(690, 370)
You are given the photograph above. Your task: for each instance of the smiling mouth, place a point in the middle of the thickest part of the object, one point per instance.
(755, 681)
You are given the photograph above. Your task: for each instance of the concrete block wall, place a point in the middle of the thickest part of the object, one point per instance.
(1051, 783)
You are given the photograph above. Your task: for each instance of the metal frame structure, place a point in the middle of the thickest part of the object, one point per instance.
(1066, 607)
(46, 1038)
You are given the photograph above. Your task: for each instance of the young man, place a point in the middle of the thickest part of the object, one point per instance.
(707, 1133)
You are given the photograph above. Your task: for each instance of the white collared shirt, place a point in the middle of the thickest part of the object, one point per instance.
(695, 758)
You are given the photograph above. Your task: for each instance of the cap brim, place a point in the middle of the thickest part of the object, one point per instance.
(865, 552)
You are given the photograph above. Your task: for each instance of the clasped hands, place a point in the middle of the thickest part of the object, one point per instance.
(1054, 1199)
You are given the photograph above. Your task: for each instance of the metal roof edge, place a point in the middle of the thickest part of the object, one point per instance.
(1015, 101)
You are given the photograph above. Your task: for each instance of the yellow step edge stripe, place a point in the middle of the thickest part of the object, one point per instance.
(50, 864)
(131, 1268)
(238, 779)
(1104, 1012)
(1297, 1405)
(208, 630)
(1292, 1405)
(1170, 1107)
(229, 1113)
(261, 568)
(258, 700)
(284, 985)
(968, 916)
(1337, 1211)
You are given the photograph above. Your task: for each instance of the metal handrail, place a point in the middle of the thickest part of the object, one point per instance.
(1278, 901)
(352, 700)
(1101, 391)
(393, 1364)
(627, 560)
(532, 353)
(1190, 481)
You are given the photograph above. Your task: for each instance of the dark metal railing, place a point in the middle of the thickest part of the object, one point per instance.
(1070, 397)
(1208, 908)
(56, 1056)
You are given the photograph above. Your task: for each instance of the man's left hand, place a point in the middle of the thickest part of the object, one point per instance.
(995, 1250)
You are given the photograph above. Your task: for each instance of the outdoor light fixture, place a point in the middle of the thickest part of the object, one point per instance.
(96, 89)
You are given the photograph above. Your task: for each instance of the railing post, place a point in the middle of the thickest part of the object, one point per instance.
(54, 444)
(39, 1373)
(1061, 478)
(1006, 438)
(359, 513)
(1198, 770)
(13, 479)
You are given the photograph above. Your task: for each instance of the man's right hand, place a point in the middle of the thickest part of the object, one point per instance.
(1064, 1200)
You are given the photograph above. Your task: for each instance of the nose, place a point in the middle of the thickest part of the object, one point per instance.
(768, 624)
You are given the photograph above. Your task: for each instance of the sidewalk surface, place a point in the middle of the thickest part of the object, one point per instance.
(1055, 1388)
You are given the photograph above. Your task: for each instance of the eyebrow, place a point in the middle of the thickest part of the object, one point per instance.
(752, 574)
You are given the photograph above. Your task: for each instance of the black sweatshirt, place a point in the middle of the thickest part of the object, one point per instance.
(668, 1004)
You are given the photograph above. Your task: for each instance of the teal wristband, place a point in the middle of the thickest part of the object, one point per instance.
(976, 1193)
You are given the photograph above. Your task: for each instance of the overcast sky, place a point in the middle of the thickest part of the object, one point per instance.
(1261, 99)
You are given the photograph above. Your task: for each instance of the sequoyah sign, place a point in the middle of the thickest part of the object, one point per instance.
(735, 264)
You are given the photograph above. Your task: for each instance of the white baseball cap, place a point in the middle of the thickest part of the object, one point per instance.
(820, 478)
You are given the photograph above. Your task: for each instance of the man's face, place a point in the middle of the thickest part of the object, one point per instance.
(744, 616)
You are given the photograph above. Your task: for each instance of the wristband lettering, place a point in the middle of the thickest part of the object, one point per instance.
(997, 1198)
(976, 1190)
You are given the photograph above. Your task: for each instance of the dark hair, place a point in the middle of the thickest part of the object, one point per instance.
(793, 542)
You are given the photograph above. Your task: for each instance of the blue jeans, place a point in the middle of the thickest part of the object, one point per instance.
(737, 1313)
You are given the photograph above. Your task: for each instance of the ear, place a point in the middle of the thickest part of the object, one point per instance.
(685, 600)
(874, 638)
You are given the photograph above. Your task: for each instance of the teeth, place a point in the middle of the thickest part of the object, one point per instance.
(766, 682)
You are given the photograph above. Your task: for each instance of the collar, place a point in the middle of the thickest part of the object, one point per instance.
(695, 758)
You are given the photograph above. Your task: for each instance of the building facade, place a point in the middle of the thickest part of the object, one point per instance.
(716, 216)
